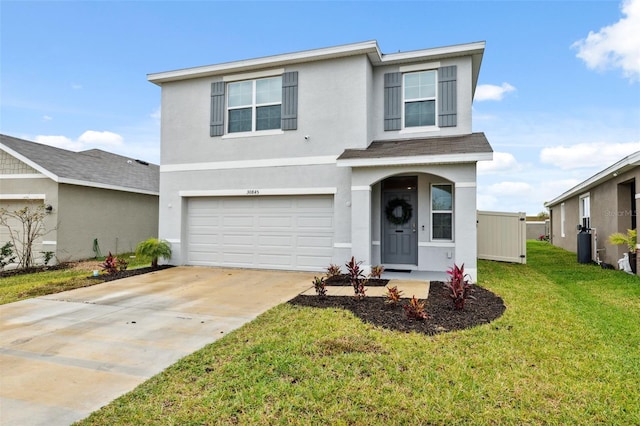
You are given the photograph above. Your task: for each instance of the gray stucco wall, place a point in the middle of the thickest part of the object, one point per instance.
(611, 211)
(340, 106)
(118, 219)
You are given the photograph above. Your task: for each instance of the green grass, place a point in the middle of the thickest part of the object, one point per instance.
(566, 351)
(19, 287)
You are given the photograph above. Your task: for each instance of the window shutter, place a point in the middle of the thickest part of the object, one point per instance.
(447, 97)
(290, 100)
(217, 108)
(392, 101)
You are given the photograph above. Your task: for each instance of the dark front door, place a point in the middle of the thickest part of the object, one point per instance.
(400, 221)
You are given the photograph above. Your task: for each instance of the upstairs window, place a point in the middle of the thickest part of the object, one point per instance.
(254, 105)
(420, 99)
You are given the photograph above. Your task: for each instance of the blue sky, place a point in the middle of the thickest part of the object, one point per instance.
(558, 94)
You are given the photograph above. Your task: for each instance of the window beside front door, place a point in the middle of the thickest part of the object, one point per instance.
(255, 105)
(442, 212)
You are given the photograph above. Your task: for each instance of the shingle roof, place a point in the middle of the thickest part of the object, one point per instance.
(474, 143)
(92, 168)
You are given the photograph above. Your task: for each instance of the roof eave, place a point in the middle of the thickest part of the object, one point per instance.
(369, 48)
(416, 160)
(610, 172)
(29, 162)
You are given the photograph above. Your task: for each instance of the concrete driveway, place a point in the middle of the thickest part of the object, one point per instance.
(65, 355)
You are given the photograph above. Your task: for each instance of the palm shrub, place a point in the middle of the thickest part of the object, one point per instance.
(154, 249)
(629, 240)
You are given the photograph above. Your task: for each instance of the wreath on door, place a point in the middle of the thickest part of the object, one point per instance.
(406, 211)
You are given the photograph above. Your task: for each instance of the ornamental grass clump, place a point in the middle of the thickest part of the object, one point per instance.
(459, 286)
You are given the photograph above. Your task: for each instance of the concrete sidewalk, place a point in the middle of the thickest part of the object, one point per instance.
(66, 355)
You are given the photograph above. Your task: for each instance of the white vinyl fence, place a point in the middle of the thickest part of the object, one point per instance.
(502, 236)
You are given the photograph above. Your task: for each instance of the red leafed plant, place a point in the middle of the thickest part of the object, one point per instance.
(393, 295)
(110, 265)
(415, 310)
(376, 271)
(356, 277)
(320, 286)
(458, 286)
(333, 271)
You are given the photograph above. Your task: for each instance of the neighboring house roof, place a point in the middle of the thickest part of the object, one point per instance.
(369, 48)
(94, 167)
(627, 163)
(443, 149)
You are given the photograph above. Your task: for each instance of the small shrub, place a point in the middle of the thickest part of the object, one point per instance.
(415, 310)
(6, 255)
(458, 286)
(376, 271)
(320, 286)
(393, 295)
(47, 255)
(333, 271)
(110, 265)
(122, 264)
(356, 277)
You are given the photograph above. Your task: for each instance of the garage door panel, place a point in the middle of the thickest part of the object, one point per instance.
(273, 232)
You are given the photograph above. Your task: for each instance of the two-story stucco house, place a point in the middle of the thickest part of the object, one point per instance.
(300, 160)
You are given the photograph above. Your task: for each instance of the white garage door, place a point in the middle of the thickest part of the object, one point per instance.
(269, 232)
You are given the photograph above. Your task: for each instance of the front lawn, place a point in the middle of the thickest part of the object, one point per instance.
(18, 287)
(566, 351)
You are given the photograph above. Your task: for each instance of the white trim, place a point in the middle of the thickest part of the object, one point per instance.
(417, 129)
(172, 240)
(415, 160)
(465, 184)
(637, 196)
(419, 67)
(249, 164)
(22, 196)
(361, 188)
(25, 176)
(50, 243)
(253, 75)
(28, 162)
(253, 192)
(342, 245)
(375, 243)
(437, 244)
(252, 133)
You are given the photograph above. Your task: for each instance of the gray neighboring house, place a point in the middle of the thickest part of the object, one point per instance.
(606, 203)
(301, 160)
(92, 195)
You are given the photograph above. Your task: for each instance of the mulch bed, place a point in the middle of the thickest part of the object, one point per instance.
(129, 273)
(343, 280)
(34, 269)
(482, 309)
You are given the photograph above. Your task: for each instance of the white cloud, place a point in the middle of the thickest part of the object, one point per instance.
(586, 155)
(76, 86)
(47, 118)
(502, 161)
(615, 46)
(491, 92)
(88, 140)
(93, 138)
